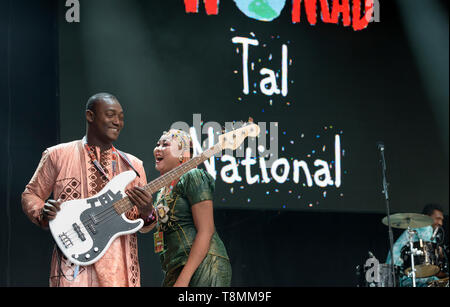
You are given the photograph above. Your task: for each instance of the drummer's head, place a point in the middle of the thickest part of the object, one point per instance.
(436, 212)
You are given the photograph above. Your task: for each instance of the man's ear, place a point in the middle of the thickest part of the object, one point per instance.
(90, 116)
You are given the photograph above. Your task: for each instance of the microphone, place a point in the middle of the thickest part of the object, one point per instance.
(435, 233)
(380, 146)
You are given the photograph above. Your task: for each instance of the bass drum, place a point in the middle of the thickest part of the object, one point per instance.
(426, 261)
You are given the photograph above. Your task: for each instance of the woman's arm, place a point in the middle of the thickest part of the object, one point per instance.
(203, 216)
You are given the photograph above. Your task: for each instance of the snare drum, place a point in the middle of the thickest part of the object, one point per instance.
(426, 260)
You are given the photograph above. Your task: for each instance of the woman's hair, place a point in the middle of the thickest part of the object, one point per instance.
(184, 140)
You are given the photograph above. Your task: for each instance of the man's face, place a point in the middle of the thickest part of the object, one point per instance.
(107, 119)
(438, 218)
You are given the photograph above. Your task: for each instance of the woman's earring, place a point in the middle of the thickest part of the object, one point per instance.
(181, 159)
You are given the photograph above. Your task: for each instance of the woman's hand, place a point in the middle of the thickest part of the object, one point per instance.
(141, 199)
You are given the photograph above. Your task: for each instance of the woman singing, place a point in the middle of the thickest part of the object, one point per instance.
(193, 254)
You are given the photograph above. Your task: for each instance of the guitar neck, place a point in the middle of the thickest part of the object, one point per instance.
(124, 205)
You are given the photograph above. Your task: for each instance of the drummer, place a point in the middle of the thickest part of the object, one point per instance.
(436, 212)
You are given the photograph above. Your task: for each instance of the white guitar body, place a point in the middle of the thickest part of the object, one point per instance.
(85, 228)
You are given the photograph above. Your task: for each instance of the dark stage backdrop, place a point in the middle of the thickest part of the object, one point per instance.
(165, 65)
(276, 247)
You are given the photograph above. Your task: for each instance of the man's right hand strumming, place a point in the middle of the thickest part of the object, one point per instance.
(51, 208)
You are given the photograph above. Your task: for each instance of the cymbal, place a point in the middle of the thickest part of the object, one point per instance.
(403, 220)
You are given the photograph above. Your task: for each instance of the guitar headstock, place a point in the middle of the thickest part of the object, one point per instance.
(234, 139)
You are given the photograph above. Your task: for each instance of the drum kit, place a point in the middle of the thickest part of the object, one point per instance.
(421, 259)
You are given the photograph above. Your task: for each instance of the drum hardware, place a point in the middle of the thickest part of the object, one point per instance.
(415, 252)
(439, 283)
(427, 259)
(413, 269)
(408, 221)
(380, 146)
(444, 259)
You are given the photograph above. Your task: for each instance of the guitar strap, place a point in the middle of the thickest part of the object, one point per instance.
(125, 158)
(115, 154)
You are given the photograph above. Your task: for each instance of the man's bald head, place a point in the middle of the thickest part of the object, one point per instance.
(104, 118)
(97, 98)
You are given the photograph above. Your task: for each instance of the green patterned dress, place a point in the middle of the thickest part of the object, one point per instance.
(179, 233)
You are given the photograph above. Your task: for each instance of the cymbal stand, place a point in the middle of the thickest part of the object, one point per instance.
(413, 253)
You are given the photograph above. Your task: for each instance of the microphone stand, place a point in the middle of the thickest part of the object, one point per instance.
(385, 192)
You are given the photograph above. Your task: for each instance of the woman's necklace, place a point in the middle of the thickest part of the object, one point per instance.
(165, 213)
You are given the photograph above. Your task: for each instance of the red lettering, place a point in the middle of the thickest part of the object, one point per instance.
(341, 7)
(325, 11)
(311, 11)
(296, 11)
(211, 6)
(362, 23)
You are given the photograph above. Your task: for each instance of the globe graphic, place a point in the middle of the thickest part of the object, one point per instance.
(262, 10)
